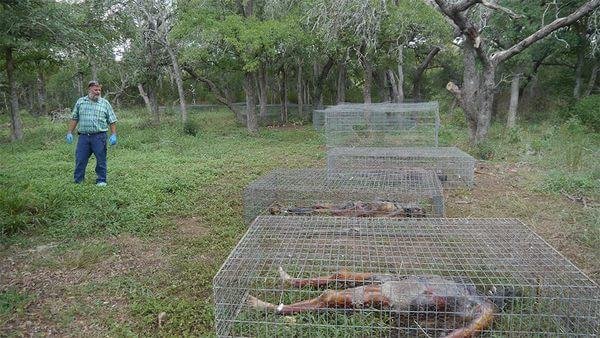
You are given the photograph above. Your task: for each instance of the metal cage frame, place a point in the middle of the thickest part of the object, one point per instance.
(527, 287)
(418, 192)
(454, 167)
(382, 124)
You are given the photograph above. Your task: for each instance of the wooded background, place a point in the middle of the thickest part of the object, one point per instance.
(503, 59)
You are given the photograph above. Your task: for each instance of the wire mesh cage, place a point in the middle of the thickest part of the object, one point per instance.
(343, 277)
(406, 193)
(454, 167)
(382, 125)
(318, 119)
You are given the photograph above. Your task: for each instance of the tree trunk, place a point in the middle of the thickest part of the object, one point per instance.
(153, 99)
(94, 71)
(385, 95)
(79, 83)
(579, 72)
(320, 77)
(470, 86)
(283, 93)
(393, 89)
(514, 101)
(486, 102)
(418, 78)
(249, 90)
(179, 82)
(41, 93)
(145, 97)
(592, 82)
(368, 77)
(32, 99)
(341, 83)
(15, 118)
(400, 83)
(262, 91)
(299, 91)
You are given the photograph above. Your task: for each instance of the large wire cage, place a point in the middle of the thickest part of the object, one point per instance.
(382, 125)
(378, 277)
(454, 167)
(403, 193)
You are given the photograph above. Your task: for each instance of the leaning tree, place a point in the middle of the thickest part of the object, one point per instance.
(481, 57)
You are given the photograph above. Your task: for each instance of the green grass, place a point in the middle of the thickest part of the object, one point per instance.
(12, 302)
(160, 177)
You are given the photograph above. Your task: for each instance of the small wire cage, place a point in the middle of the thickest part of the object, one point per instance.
(405, 193)
(382, 125)
(454, 167)
(378, 277)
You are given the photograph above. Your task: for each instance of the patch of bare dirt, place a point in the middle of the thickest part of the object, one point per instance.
(57, 281)
(53, 280)
(191, 227)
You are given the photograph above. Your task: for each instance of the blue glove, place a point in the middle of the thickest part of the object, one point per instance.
(69, 138)
(112, 139)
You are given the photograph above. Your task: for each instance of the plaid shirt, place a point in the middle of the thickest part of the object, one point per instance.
(93, 117)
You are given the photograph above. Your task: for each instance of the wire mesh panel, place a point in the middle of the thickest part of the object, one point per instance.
(382, 125)
(454, 167)
(318, 119)
(406, 193)
(344, 277)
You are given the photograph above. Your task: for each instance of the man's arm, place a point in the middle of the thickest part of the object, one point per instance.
(72, 125)
(113, 134)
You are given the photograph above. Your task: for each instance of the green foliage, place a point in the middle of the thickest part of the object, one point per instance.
(191, 127)
(559, 181)
(485, 150)
(588, 112)
(152, 173)
(12, 301)
(514, 135)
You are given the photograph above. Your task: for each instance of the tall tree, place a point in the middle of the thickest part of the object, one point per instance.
(27, 26)
(481, 60)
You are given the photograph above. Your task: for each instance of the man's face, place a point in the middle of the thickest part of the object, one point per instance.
(94, 92)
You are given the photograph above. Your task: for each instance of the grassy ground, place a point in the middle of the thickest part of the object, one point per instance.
(82, 260)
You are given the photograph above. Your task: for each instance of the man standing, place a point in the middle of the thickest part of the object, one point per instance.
(92, 116)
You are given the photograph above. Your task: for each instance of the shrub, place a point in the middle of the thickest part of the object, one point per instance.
(588, 111)
(485, 150)
(191, 127)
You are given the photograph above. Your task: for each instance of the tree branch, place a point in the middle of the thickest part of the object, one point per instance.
(545, 31)
(463, 5)
(502, 9)
(455, 90)
(212, 87)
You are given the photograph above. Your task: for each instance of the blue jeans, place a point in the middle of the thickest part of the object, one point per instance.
(89, 144)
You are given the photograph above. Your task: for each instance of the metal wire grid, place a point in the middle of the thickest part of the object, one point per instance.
(382, 124)
(415, 189)
(535, 290)
(318, 119)
(319, 114)
(454, 167)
